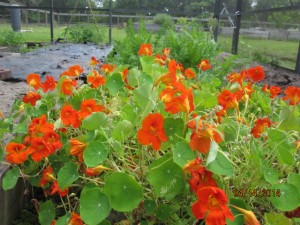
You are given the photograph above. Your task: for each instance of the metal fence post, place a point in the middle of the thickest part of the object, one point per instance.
(51, 20)
(217, 17)
(237, 26)
(110, 21)
(298, 61)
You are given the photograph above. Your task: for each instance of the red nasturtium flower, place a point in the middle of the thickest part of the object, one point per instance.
(31, 98)
(53, 141)
(202, 178)
(255, 74)
(212, 206)
(202, 135)
(237, 77)
(95, 79)
(189, 73)
(34, 80)
(87, 107)
(168, 78)
(70, 116)
(260, 125)
(49, 84)
(17, 153)
(204, 65)
(67, 86)
(228, 100)
(152, 131)
(274, 90)
(75, 219)
(75, 71)
(108, 68)
(292, 94)
(94, 171)
(56, 189)
(249, 217)
(145, 49)
(77, 148)
(47, 176)
(193, 165)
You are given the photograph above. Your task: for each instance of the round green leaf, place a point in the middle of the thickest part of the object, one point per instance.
(289, 197)
(133, 77)
(95, 153)
(182, 154)
(221, 166)
(166, 177)
(10, 179)
(173, 128)
(277, 219)
(270, 174)
(94, 205)
(46, 213)
(67, 175)
(164, 212)
(122, 130)
(94, 121)
(124, 192)
(149, 206)
(114, 83)
(63, 220)
(294, 178)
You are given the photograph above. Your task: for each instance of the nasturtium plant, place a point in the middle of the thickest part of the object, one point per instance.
(155, 142)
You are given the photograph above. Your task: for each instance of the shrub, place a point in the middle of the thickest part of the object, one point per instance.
(165, 20)
(11, 38)
(84, 33)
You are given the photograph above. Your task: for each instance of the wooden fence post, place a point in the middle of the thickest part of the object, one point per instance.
(237, 26)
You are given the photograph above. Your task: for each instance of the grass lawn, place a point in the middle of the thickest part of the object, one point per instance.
(283, 53)
(42, 33)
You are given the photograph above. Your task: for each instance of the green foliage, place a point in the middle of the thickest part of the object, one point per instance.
(83, 33)
(10, 38)
(165, 20)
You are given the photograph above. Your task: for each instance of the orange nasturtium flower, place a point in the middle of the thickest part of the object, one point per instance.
(212, 206)
(75, 71)
(67, 86)
(168, 78)
(31, 98)
(249, 217)
(189, 73)
(108, 68)
(77, 148)
(56, 189)
(70, 116)
(94, 171)
(260, 125)
(228, 100)
(1, 115)
(39, 149)
(202, 135)
(95, 79)
(145, 49)
(204, 65)
(255, 74)
(40, 126)
(124, 75)
(274, 90)
(87, 107)
(94, 61)
(75, 219)
(34, 80)
(237, 77)
(292, 94)
(17, 153)
(49, 84)
(47, 176)
(152, 131)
